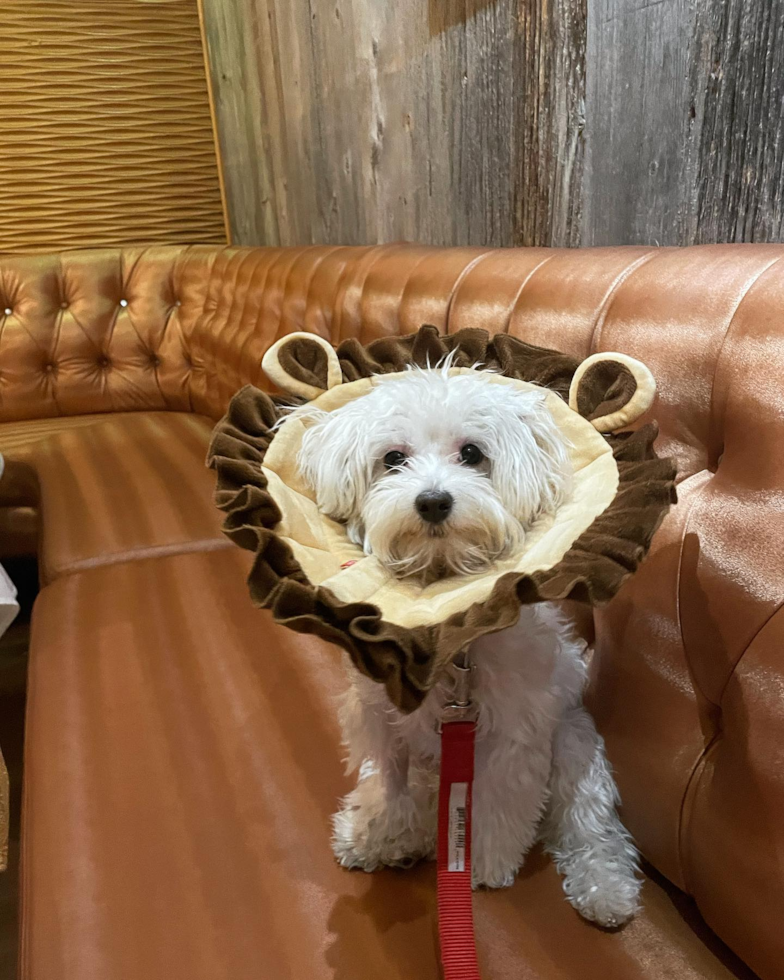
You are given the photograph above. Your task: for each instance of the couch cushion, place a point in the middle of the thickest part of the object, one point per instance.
(16, 436)
(182, 762)
(132, 486)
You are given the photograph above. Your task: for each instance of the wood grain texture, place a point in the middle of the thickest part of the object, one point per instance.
(351, 121)
(636, 120)
(735, 150)
(684, 122)
(501, 122)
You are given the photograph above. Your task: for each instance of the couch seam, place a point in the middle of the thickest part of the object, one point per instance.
(407, 283)
(237, 315)
(328, 253)
(697, 770)
(750, 643)
(689, 789)
(709, 748)
(198, 546)
(521, 289)
(712, 422)
(61, 316)
(682, 865)
(375, 254)
(609, 296)
(179, 260)
(203, 321)
(687, 518)
(459, 281)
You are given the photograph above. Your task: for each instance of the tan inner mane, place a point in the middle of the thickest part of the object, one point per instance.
(321, 546)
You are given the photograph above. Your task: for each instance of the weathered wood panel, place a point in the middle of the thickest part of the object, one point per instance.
(735, 151)
(501, 122)
(548, 191)
(684, 121)
(636, 120)
(453, 121)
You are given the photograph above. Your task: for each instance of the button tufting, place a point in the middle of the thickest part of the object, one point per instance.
(178, 302)
(8, 311)
(123, 302)
(155, 360)
(103, 361)
(49, 368)
(64, 305)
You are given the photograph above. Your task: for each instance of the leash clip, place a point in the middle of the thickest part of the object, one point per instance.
(460, 707)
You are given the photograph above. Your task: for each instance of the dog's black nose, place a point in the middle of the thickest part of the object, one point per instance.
(434, 506)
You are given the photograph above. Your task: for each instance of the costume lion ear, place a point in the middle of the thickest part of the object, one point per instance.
(303, 364)
(611, 390)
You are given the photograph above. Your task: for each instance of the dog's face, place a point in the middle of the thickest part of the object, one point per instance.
(436, 474)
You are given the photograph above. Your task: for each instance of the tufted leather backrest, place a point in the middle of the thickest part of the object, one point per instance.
(688, 674)
(93, 331)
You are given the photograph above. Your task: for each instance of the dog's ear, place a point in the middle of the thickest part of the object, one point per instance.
(611, 390)
(303, 364)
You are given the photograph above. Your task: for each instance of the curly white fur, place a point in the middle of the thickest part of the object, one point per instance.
(541, 769)
(431, 415)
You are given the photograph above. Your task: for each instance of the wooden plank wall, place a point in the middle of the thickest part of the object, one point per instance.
(500, 122)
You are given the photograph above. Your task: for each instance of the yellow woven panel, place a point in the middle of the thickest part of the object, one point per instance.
(106, 136)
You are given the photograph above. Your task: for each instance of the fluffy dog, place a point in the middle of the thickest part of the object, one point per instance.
(443, 474)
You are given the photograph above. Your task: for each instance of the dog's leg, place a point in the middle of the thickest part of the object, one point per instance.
(390, 818)
(509, 796)
(589, 844)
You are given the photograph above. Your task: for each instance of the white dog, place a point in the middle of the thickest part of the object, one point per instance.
(440, 474)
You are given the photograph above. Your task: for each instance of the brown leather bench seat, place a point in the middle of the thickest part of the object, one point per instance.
(182, 755)
(184, 759)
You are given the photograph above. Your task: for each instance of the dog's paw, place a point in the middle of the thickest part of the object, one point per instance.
(492, 873)
(604, 892)
(370, 831)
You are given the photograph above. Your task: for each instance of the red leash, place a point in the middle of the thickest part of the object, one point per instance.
(455, 911)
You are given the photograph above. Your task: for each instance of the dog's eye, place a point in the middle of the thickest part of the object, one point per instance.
(394, 458)
(471, 455)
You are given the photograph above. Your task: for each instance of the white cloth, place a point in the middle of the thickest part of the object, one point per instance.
(9, 607)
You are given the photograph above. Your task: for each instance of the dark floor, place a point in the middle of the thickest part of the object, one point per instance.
(13, 671)
(8, 907)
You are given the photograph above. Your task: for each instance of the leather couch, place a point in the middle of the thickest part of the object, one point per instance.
(182, 752)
